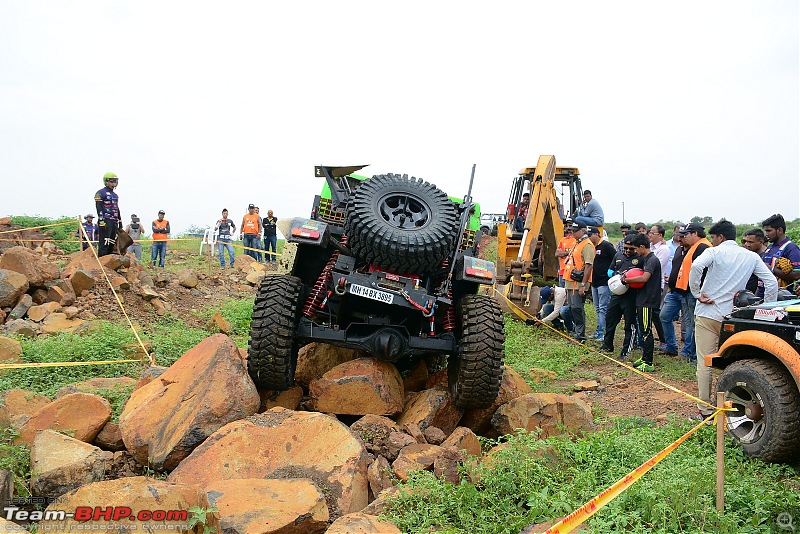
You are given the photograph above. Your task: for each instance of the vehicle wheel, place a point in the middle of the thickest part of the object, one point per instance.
(485, 230)
(475, 371)
(766, 422)
(402, 224)
(272, 349)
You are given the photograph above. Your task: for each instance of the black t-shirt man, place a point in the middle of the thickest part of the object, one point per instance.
(604, 254)
(649, 296)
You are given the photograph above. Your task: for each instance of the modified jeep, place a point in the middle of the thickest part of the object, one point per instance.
(759, 354)
(387, 265)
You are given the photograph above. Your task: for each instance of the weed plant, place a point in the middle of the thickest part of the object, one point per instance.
(63, 235)
(16, 459)
(531, 481)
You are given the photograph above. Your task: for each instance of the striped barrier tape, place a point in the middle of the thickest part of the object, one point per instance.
(63, 364)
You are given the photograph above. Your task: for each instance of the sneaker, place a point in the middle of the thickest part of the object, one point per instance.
(637, 363)
(699, 416)
(603, 348)
(662, 347)
(645, 368)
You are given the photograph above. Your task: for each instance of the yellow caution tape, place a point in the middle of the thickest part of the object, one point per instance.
(568, 523)
(63, 364)
(38, 227)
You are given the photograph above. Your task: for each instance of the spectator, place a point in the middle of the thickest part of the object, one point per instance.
(590, 212)
(161, 233)
(754, 240)
(578, 274)
(522, 213)
(622, 305)
(90, 232)
(728, 269)
(270, 237)
(259, 244)
(695, 243)
(673, 303)
(109, 220)
(625, 228)
(640, 228)
(782, 255)
(251, 229)
(675, 243)
(225, 230)
(648, 299)
(601, 294)
(562, 252)
(554, 308)
(659, 247)
(135, 231)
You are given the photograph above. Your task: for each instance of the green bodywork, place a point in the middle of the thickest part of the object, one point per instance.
(474, 218)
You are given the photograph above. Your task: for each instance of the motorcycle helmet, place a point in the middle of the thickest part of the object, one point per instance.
(616, 286)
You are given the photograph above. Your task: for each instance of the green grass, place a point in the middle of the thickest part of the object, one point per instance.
(61, 234)
(538, 480)
(16, 459)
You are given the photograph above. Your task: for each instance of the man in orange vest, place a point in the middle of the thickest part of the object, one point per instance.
(694, 243)
(578, 274)
(562, 251)
(251, 230)
(161, 232)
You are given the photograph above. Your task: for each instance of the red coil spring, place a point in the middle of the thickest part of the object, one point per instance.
(449, 323)
(318, 292)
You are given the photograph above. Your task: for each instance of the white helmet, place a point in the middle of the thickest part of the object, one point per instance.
(616, 285)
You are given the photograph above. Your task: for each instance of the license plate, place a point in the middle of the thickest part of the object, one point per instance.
(374, 294)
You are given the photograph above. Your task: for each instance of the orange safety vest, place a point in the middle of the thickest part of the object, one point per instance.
(575, 260)
(686, 265)
(250, 224)
(568, 243)
(160, 225)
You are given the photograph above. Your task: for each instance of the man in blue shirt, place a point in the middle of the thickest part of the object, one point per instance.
(590, 213)
(91, 232)
(782, 255)
(109, 220)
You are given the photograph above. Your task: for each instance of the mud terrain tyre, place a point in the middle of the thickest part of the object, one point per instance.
(272, 349)
(405, 225)
(769, 428)
(475, 371)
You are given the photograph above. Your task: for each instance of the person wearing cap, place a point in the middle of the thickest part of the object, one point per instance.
(578, 275)
(135, 230)
(601, 293)
(590, 212)
(554, 309)
(562, 251)
(90, 230)
(161, 233)
(225, 230)
(109, 221)
(624, 305)
(251, 231)
(694, 243)
(648, 298)
(714, 279)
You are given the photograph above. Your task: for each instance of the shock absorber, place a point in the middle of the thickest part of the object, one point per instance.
(449, 323)
(319, 293)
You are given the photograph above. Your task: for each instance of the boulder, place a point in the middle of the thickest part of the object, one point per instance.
(21, 309)
(71, 312)
(218, 323)
(119, 282)
(97, 385)
(21, 328)
(463, 439)
(10, 350)
(243, 261)
(586, 385)
(512, 385)
(434, 436)
(187, 278)
(139, 494)
(39, 313)
(549, 412)
(250, 505)
(254, 277)
(148, 293)
(80, 414)
(412, 429)
(396, 442)
(415, 380)
(205, 389)
(281, 443)
(359, 523)
(159, 306)
(81, 280)
(380, 475)
(19, 402)
(35, 267)
(359, 387)
(149, 374)
(56, 323)
(431, 407)
(316, 359)
(110, 438)
(289, 399)
(39, 296)
(12, 286)
(374, 431)
(60, 464)
(446, 465)
(415, 457)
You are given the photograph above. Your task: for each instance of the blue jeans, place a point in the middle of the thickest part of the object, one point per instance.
(689, 349)
(565, 316)
(222, 246)
(671, 310)
(601, 296)
(588, 221)
(270, 241)
(251, 241)
(159, 251)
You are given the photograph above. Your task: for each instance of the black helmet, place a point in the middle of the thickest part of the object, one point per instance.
(745, 298)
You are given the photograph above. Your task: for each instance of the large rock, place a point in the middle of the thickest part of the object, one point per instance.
(10, 350)
(98, 385)
(359, 523)
(12, 286)
(56, 323)
(187, 278)
(293, 506)
(549, 412)
(463, 439)
(80, 414)
(316, 359)
(218, 323)
(110, 438)
(40, 313)
(205, 389)
(22, 307)
(374, 431)
(512, 386)
(242, 261)
(139, 494)
(81, 280)
(359, 387)
(86, 260)
(35, 267)
(416, 457)
(431, 407)
(60, 464)
(16, 403)
(289, 398)
(22, 328)
(281, 443)
(380, 475)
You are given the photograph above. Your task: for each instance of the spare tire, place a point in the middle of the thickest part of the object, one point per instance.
(401, 224)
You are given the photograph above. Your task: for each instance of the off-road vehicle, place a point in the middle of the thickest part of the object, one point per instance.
(388, 265)
(758, 351)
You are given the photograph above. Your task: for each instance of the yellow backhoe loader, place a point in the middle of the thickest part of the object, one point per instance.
(521, 255)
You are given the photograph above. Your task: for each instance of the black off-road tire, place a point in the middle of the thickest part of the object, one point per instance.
(475, 371)
(272, 349)
(775, 435)
(402, 224)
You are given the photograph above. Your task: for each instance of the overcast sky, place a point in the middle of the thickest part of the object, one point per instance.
(675, 109)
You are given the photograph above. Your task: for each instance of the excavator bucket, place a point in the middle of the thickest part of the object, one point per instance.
(519, 298)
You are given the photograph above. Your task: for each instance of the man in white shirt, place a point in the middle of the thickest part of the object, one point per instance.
(729, 268)
(660, 249)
